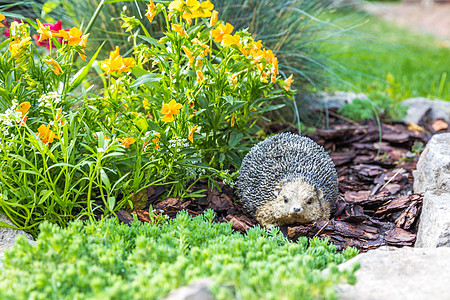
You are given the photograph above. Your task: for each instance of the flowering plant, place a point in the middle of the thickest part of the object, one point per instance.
(176, 110)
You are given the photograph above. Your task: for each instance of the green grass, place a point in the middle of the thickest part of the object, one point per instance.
(374, 48)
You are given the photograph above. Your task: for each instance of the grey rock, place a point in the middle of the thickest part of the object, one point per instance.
(198, 290)
(399, 273)
(433, 167)
(434, 225)
(324, 100)
(420, 108)
(8, 236)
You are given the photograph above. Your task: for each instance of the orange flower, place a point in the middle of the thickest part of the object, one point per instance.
(151, 12)
(156, 141)
(169, 110)
(45, 134)
(127, 141)
(191, 133)
(230, 40)
(23, 109)
(59, 117)
(189, 54)
(56, 67)
(73, 35)
(214, 18)
(200, 76)
(179, 29)
(218, 33)
(45, 32)
(2, 17)
(275, 66)
(288, 82)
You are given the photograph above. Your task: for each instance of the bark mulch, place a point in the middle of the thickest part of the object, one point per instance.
(376, 207)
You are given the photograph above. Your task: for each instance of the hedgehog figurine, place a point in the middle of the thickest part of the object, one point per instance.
(287, 179)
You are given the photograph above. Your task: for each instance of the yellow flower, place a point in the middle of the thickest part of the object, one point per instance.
(190, 9)
(179, 29)
(45, 134)
(214, 18)
(127, 142)
(218, 33)
(233, 119)
(45, 32)
(169, 110)
(2, 17)
(288, 82)
(151, 12)
(16, 46)
(56, 67)
(200, 76)
(115, 62)
(191, 133)
(176, 5)
(205, 9)
(230, 40)
(146, 103)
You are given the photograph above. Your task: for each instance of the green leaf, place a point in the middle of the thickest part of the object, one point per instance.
(235, 138)
(44, 194)
(275, 107)
(111, 202)
(151, 41)
(147, 78)
(82, 73)
(138, 71)
(105, 179)
(141, 124)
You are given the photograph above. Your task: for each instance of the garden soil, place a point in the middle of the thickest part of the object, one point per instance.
(376, 206)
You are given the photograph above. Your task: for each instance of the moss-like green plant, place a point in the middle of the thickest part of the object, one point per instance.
(378, 105)
(108, 260)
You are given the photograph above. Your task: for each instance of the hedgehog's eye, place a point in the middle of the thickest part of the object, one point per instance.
(309, 201)
(286, 200)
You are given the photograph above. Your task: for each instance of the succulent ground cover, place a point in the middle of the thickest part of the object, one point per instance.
(108, 260)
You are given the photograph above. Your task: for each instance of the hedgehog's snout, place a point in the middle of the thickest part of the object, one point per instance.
(297, 209)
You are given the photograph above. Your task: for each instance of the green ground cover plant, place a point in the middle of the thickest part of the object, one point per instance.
(375, 51)
(107, 260)
(177, 109)
(377, 105)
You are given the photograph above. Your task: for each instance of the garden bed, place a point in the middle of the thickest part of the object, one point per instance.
(376, 205)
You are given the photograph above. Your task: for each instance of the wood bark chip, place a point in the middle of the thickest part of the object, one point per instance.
(375, 208)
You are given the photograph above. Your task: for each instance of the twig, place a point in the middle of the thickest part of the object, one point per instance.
(323, 227)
